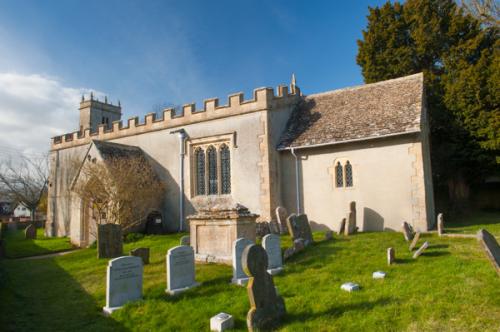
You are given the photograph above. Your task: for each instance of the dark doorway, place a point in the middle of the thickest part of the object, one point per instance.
(154, 223)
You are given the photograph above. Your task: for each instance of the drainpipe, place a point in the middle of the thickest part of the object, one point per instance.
(182, 137)
(297, 187)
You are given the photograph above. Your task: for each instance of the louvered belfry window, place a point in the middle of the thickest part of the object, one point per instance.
(212, 171)
(200, 171)
(225, 165)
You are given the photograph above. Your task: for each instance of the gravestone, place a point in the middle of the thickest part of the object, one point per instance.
(289, 252)
(298, 245)
(342, 227)
(123, 282)
(440, 224)
(239, 276)
(281, 217)
(328, 235)
(350, 226)
(109, 241)
(350, 287)
(180, 270)
(407, 231)
(414, 242)
(221, 322)
(391, 256)
(262, 229)
(491, 248)
(274, 227)
(299, 227)
(185, 240)
(267, 308)
(378, 275)
(30, 232)
(421, 250)
(143, 253)
(271, 244)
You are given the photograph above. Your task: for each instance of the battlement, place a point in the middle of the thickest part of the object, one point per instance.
(263, 99)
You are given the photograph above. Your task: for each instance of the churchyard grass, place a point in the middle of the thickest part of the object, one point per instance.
(451, 287)
(17, 246)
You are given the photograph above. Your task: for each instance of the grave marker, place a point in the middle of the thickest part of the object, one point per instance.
(271, 244)
(491, 248)
(414, 242)
(407, 231)
(143, 253)
(350, 226)
(267, 308)
(123, 282)
(391, 256)
(342, 226)
(109, 241)
(30, 232)
(221, 322)
(281, 217)
(328, 235)
(185, 240)
(440, 224)
(239, 276)
(180, 270)
(421, 249)
(299, 227)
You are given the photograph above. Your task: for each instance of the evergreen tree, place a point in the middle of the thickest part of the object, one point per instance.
(460, 60)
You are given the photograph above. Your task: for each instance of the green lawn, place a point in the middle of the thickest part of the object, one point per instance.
(452, 287)
(16, 245)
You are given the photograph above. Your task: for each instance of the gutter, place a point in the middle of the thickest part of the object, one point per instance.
(182, 152)
(297, 186)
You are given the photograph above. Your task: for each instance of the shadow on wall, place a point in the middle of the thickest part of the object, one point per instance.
(372, 221)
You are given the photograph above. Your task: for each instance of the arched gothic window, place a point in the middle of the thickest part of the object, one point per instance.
(339, 176)
(225, 169)
(200, 171)
(212, 171)
(348, 174)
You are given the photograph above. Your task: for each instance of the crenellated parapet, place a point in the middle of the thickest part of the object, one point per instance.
(263, 99)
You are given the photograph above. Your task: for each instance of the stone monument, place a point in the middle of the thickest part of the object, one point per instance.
(143, 253)
(239, 276)
(109, 241)
(30, 232)
(391, 256)
(271, 244)
(440, 224)
(267, 308)
(491, 248)
(180, 270)
(342, 227)
(299, 227)
(407, 231)
(421, 249)
(213, 231)
(185, 240)
(414, 242)
(123, 282)
(281, 217)
(350, 226)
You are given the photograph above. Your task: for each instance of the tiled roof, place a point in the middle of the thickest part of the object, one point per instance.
(368, 111)
(114, 150)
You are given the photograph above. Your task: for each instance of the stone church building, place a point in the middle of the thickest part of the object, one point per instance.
(311, 154)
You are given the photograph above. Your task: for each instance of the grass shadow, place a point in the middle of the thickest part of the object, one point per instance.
(439, 246)
(435, 253)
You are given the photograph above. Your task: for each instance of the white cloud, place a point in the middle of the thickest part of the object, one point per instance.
(34, 108)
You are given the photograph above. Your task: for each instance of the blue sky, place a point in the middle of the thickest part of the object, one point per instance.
(147, 53)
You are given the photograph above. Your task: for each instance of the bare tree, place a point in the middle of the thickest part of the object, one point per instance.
(487, 11)
(119, 190)
(24, 180)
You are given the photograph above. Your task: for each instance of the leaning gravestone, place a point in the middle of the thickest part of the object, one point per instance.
(271, 244)
(440, 224)
(180, 270)
(274, 227)
(109, 241)
(407, 231)
(185, 240)
(239, 276)
(267, 308)
(281, 217)
(30, 232)
(421, 249)
(350, 226)
(299, 227)
(123, 283)
(414, 242)
(491, 248)
(143, 253)
(391, 256)
(342, 227)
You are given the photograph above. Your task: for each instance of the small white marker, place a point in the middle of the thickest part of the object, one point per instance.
(350, 287)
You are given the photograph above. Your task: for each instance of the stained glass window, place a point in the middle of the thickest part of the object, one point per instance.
(348, 174)
(200, 171)
(339, 176)
(212, 171)
(225, 165)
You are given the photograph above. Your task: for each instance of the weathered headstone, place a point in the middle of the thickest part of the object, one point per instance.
(109, 241)
(271, 244)
(328, 235)
(491, 248)
(180, 270)
(289, 252)
(298, 245)
(143, 253)
(267, 308)
(239, 276)
(350, 227)
(342, 227)
(281, 217)
(123, 283)
(185, 240)
(350, 287)
(421, 249)
(274, 227)
(440, 224)
(407, 231)
(30, 232)
(414, 242)
(262, 229)
(391, 256)
(378, 275)
(221, 322)
(299, 227)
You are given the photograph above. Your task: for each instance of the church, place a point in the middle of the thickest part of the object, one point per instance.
(311, 154)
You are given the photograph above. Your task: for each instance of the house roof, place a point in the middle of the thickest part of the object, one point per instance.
(110, 150)
(368, 111)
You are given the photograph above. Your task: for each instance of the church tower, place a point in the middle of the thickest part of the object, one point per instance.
(94, 113)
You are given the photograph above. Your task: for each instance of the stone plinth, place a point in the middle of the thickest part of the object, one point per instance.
(213, 231)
